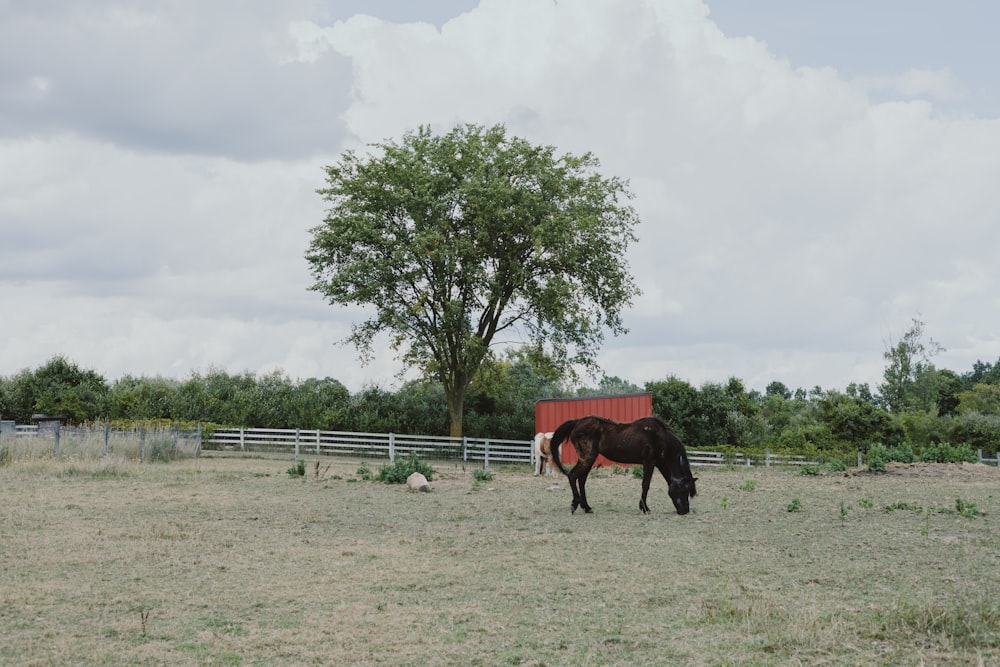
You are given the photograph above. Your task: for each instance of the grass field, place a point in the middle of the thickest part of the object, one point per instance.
(231, 561)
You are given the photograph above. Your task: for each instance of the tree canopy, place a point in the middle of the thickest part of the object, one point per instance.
(455, 239)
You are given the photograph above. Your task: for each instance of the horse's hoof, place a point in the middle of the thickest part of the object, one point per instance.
(588, 510)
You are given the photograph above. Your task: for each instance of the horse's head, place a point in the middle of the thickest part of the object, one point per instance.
(681, 490)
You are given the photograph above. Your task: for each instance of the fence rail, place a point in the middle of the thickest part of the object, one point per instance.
(372, 445)
(375, 445)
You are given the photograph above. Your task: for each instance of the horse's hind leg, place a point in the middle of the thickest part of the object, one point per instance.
(574, 487)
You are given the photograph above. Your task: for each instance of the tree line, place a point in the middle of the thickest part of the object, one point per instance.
(917, 407)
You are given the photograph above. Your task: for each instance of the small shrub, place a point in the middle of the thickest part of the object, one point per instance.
(968, 510)
(878, 455)
(900, 454)
(298, 470)
(482, 475)
(748, 485)
(836, 465)
(794, 506)
(866, 503)
(637, 472)
(809, 469)
(364, 472)
(403, 468)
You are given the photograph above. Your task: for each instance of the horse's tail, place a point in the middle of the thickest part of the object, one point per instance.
(557, 439)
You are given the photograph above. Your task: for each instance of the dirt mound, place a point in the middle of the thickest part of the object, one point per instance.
(944, 470)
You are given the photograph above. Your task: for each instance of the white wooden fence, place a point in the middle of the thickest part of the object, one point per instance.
(391, 445)
(376, 445)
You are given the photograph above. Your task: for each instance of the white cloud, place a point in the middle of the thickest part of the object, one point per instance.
(782, 208)
(157, 183)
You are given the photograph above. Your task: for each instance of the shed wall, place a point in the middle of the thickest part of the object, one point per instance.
(550, 413)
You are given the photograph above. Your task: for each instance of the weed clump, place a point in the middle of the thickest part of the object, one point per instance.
(298, 470)
(397, 472)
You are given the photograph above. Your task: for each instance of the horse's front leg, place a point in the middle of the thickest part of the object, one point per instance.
(647, 476)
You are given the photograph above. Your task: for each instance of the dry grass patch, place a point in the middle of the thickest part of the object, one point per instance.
(232, 561)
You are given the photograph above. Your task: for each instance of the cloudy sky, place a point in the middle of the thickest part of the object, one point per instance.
(810, 176)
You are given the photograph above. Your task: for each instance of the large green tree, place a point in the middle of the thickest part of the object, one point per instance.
(453, 240)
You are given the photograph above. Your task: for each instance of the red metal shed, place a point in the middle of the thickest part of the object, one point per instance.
(551, 412)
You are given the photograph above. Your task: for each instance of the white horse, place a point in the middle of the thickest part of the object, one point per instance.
(543, 450)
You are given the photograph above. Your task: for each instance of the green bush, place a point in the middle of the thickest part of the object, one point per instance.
(298, 470)
(836, 465)
(901, 453)
(482, 475)
(403, 468)
(809, 469)
(944, 452)
(878, 455)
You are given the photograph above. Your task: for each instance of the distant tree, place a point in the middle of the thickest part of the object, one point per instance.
(136, 398)
(610, 385)
(776, 388)
(676, 402)
(856, 422)
(861, 391)
(911, 381)
(982, 373)
(453, 240)
(17, 396)
(61, 387)
(949, 386)
(982, 398)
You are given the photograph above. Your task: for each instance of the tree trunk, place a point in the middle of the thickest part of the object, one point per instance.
(456, 407)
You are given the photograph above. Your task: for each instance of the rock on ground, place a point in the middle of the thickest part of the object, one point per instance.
(417, 482)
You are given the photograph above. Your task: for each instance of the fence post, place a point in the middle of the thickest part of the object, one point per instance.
(296, 444)
(486, 453)
(979, 454)
(107, 428)
(392, 448)
(55, 443)
(767, 457)
(142, 443)
(197, 451)
(243, 442)
(317, 442)
(176, 436)
(465, 448)
(859, 458)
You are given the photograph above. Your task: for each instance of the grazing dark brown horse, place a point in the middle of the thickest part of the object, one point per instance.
(647, 441)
